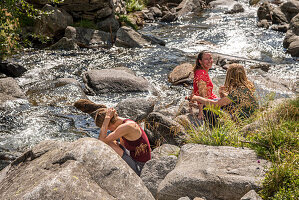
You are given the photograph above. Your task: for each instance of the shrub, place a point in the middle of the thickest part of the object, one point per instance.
(134, 5)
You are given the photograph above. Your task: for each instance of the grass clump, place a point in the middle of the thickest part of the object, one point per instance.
(125, 19)
(85, 23)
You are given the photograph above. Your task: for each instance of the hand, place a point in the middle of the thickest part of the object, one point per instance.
(110, 112)
(222, 91)
(189, 98)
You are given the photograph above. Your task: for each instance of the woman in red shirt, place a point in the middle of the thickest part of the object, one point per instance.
(134, 145)
(202, 84)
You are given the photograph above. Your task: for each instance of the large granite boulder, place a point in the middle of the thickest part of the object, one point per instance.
(187, 6)
(217, 173)
(136, 109)
(54, 23)
(84, 169)
(10, 90)
(90, 38)
(113, 80)
(155, 170)
(109, 24)
(182, 73)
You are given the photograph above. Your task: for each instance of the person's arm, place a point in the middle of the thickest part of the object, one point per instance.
(221, 102)
(118, 133)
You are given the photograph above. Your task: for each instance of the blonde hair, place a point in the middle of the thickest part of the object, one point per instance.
(96, 111)
(236, 77)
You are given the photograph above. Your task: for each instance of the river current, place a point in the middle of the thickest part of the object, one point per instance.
(25, 123)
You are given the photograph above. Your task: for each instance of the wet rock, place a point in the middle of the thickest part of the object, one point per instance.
(264, 24)
(164, 129)
(10, 90)
(90, 38)
(237, 8)
(264, 12)
(289, 38)
(187, 6)
(127, 37)
(136, 109)
(84, 169)
(109, 24)
(169, 17)
(293, 49)
(181, 74)
(53, 24)
(251, 195)
(264, 67)
(226, 173)
(155, 170)
(11, 69)
(156, 11)
(253, 2)
(278, 17)
(153, 40)
(59, 93)
(111, 80)
(281, 28)
(65, 44)
(290, 9)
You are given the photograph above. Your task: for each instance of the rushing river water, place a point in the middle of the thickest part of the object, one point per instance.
(24, 124)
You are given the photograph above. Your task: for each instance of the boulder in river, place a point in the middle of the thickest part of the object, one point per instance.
(182, 73)
(10, 90)
(127, 37)
(215, 173)
(251, 195)
(237, 8)
(136, 109)
(114, 80)
(84, 169)
(11, 69)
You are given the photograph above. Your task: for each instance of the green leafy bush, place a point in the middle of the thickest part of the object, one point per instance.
(15, 14)
(134, 5)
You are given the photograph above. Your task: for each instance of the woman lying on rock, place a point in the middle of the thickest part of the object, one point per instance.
(134, 147)
(238, 98)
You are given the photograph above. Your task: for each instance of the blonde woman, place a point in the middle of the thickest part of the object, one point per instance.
(238, 98)
(134, 147)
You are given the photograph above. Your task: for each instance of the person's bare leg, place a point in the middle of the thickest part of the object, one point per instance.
(116, 148)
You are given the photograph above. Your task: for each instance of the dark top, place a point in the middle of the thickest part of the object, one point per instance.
(140, 149)
(243, 103)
